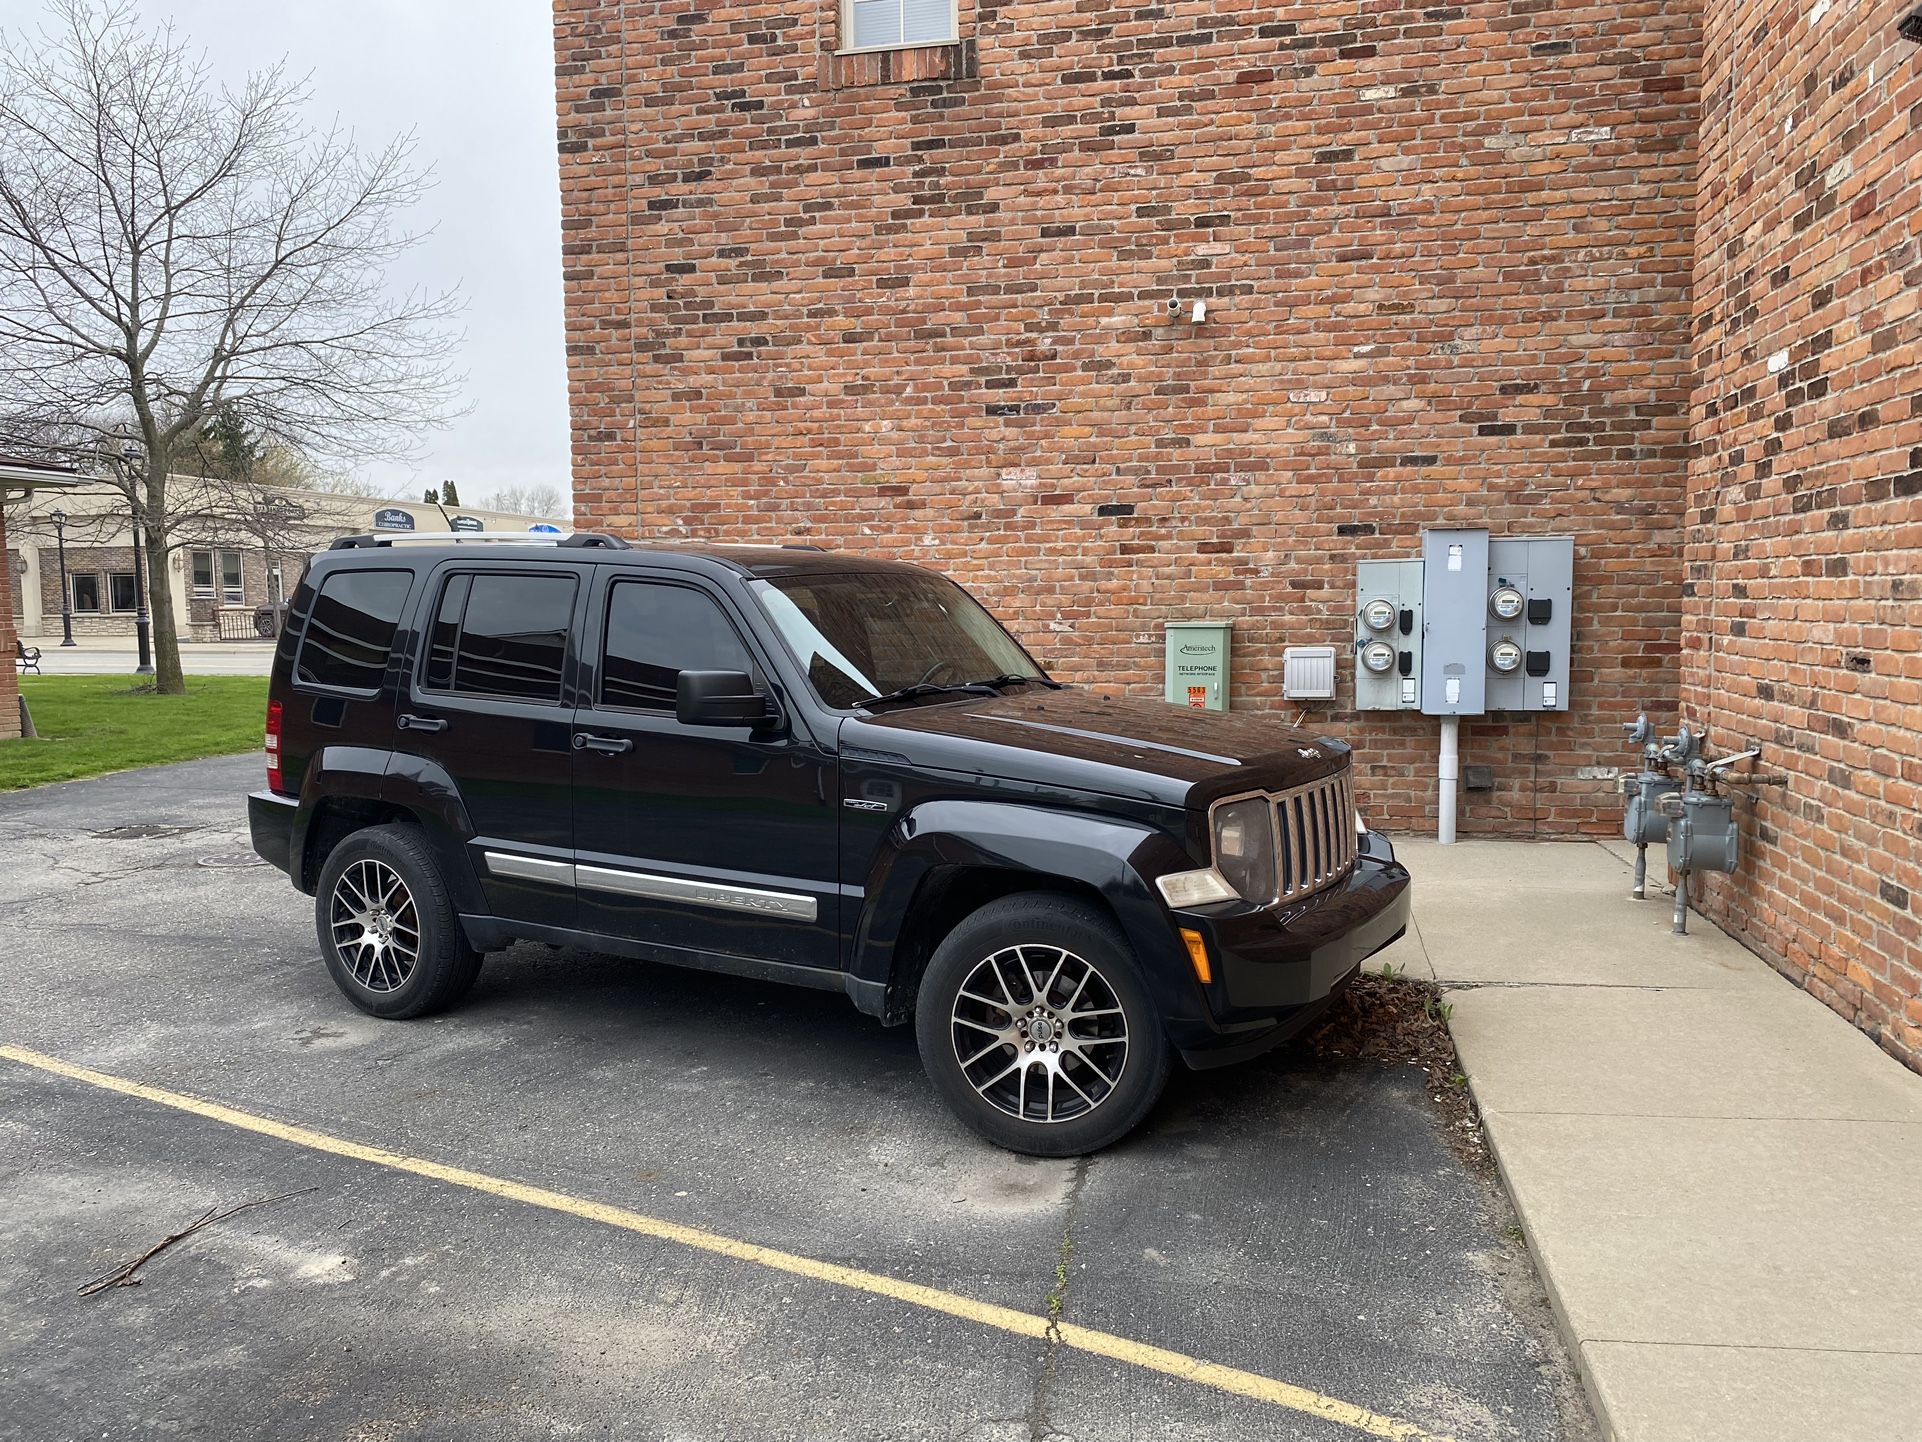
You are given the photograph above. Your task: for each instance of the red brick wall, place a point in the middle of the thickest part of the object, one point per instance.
(1804, 543)
(9, 677)
(1446, 254)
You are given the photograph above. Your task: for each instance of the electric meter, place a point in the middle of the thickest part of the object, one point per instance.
(1506, 603)
(1505, 656)
(1379, 656)
(1378, 614)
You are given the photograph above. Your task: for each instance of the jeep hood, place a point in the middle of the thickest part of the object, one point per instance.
(1074, 739)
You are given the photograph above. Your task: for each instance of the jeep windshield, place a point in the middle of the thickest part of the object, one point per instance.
(865, 637)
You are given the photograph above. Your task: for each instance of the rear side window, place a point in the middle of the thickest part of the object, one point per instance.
(350, 630)
(501, 635)
(655, 632)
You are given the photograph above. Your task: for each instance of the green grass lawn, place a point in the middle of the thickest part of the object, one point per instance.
(92, 724)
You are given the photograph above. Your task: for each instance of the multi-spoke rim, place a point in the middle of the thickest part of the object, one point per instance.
(1040, 1033)
(375, 925)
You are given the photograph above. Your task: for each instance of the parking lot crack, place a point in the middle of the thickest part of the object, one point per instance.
(1039, 1427)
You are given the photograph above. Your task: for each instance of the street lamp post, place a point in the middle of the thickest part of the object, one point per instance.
(142, 620)
(59, 519)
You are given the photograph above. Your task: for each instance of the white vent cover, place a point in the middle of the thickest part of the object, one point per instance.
(1308, 673)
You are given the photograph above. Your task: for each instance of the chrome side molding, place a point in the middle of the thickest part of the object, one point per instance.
(529, 868)
(697, 893)
(718, 895)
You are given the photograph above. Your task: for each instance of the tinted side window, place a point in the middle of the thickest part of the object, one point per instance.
(350, 629)
(502, 635)
(654, 632)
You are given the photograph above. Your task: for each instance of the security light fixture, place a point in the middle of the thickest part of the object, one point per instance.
(1909, 27)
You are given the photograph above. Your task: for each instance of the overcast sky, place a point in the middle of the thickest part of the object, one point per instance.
(475, 80)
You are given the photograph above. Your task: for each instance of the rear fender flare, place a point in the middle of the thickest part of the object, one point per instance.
(384, 786)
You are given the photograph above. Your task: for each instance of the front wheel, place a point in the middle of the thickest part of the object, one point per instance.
(1036, 1028)
(388, 928)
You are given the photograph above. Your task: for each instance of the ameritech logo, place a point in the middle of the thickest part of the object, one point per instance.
(1188, 649)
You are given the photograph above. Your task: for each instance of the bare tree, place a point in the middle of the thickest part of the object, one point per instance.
(535, 499)
(172, 251)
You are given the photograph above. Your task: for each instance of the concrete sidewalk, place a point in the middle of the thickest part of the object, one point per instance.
(116, 656)
(1721, 1179)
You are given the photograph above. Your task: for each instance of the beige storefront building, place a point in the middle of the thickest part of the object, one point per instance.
(224, 571)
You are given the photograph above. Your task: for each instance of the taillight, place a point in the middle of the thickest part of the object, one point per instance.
(273, 746)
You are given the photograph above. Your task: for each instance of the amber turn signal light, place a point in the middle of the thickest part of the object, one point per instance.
(1198, 954)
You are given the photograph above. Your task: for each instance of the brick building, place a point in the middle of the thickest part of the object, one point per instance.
(1642, 273)
(1802, 598)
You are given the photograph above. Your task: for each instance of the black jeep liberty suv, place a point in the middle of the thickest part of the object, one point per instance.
(815, 768)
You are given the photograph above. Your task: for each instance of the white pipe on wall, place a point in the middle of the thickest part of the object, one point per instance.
(1450, 772)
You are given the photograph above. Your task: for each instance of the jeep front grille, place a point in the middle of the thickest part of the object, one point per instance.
(1317, 833)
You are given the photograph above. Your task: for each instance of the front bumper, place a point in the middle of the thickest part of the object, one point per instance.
(1277, 968)
(270, 822)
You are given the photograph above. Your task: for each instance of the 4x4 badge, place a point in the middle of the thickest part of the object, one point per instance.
(857, 804)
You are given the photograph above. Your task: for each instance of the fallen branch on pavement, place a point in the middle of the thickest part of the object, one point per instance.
(125, 1276)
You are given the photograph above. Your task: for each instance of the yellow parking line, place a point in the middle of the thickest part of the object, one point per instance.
(987, 1314)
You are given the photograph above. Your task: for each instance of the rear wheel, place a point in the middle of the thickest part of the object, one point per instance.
(1035, 1026)
(387, 925)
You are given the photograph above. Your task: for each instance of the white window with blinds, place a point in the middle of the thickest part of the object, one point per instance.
(888, 24)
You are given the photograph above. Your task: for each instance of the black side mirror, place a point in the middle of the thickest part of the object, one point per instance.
(720, 698)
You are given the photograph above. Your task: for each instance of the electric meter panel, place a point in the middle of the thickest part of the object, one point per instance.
(1457, 629)
(1529, 626)
(1388, 636)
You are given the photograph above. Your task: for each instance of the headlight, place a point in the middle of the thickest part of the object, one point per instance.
(1183, 889)
(1245, 848)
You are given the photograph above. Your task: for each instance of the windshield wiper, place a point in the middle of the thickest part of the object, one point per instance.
(1009, 679)
(930, 688)
(990, 687)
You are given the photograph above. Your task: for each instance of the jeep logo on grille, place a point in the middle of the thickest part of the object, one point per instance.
(1308, 751)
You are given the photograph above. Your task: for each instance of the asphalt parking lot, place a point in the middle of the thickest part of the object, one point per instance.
(606, 1199)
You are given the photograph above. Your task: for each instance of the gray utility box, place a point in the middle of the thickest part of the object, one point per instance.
(1388, 613)
(1529, 600)
(1454, 661)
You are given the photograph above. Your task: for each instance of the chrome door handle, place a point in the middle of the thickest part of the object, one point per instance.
(410, 722)
(606, 745)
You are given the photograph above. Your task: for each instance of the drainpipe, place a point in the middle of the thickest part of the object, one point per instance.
(1450, 770)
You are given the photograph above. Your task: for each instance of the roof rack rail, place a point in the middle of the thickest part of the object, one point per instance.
(445, 538)
(801, 546)
(596, 541)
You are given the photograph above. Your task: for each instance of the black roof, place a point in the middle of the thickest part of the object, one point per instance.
(766, 561)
